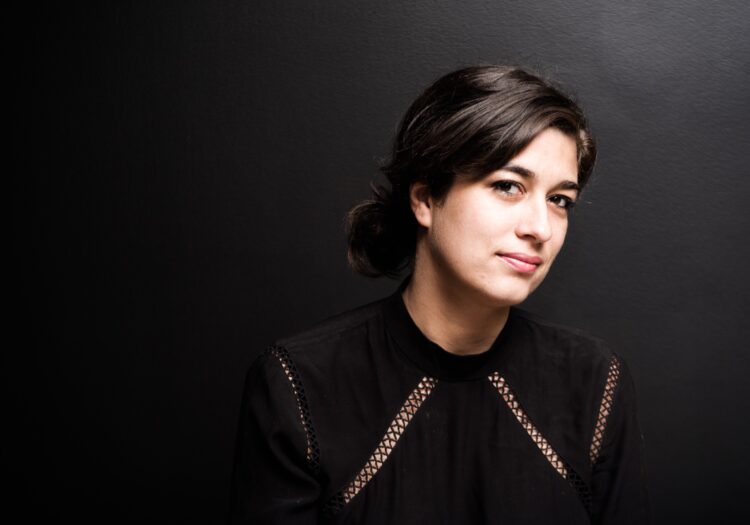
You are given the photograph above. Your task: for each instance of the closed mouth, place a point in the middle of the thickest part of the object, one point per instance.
(521, 262)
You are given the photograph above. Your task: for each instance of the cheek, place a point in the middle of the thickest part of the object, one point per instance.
(482, 215)
(460, 234)
(562, 232)
(477, 229)
(559, 237)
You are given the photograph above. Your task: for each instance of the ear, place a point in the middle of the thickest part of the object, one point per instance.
(421, 203)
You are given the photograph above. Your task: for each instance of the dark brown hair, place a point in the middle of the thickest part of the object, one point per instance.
(470, 123)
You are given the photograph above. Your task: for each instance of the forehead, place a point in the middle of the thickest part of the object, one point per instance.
(551, 155)
(550, 159)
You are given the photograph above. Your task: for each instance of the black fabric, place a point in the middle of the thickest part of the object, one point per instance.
(464, 457)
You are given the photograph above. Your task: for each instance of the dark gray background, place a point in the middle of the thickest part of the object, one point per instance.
(181, 202)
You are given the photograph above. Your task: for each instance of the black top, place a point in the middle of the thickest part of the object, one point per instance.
(364, 420)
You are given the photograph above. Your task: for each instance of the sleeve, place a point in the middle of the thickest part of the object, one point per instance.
(273, 480)
(619, 493)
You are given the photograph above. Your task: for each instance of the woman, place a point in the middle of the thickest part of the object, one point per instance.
(444, 403)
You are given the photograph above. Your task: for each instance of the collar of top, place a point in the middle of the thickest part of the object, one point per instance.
(431, 358)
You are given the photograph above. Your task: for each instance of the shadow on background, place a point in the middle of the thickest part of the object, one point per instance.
(182, 204)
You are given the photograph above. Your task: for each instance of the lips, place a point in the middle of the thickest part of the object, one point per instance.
(521, 262)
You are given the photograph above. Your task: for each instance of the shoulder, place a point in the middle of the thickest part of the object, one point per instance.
(343, 325)
(559, 367)
(568, 379)
(343, 344)
(557, 343)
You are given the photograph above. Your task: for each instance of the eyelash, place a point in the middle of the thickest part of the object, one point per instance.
(505, 185)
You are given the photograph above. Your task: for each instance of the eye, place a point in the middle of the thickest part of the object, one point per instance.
(562, 201)
(508, 187)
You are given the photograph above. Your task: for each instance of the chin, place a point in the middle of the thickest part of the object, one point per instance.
(507, 296)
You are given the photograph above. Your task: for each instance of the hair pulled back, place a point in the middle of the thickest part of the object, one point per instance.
(468, 123)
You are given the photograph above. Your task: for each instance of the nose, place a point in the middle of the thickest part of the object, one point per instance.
(534, 223)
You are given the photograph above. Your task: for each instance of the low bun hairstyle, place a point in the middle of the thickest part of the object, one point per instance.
(469, 123)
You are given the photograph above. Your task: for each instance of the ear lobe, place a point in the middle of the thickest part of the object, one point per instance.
(421, 203)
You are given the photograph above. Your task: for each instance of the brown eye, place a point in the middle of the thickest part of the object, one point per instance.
(561, 201)
(508, 187)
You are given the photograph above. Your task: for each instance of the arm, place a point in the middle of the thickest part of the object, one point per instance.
(618, 480)
(273, 480)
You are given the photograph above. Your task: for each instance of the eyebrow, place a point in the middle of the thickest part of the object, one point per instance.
(528, 174)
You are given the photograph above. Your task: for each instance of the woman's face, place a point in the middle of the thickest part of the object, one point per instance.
(497, 237)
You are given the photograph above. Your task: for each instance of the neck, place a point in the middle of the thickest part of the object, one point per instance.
(456, 320)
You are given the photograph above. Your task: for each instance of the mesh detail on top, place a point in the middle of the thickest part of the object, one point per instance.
(384, 448)
(290, 370)
(510, 399)
(605, 408)
(562, 467)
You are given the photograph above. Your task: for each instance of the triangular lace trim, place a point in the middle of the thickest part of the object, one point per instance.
(290, 370)
(562, 467)
(605, 408)
(385, 447)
